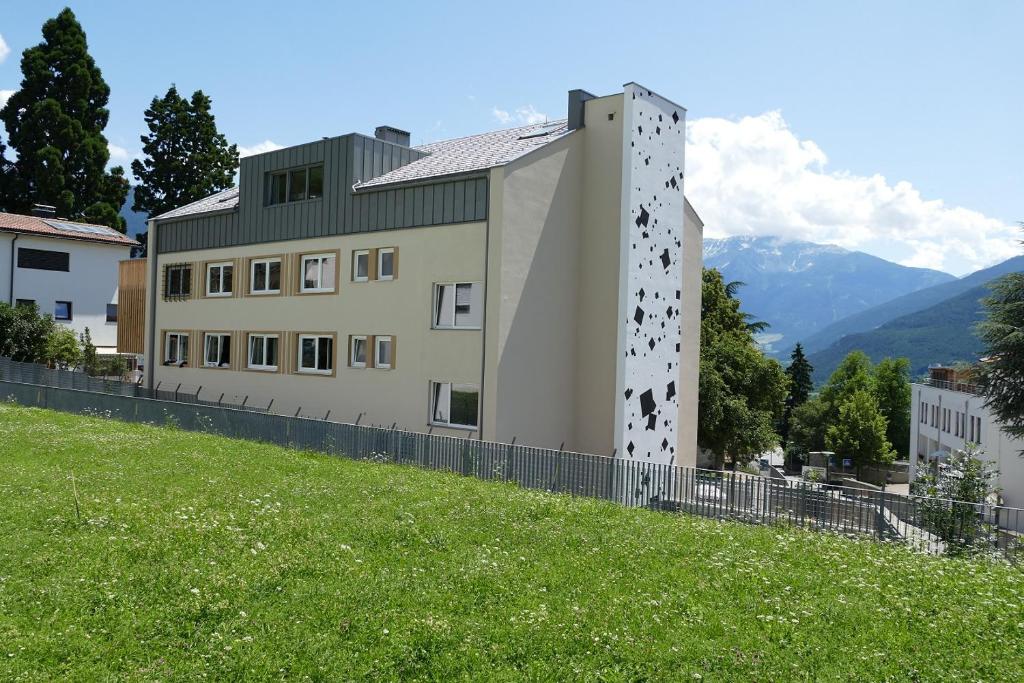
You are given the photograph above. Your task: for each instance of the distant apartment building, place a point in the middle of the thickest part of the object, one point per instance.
(66, 268)
(947, 413)
(538, 284)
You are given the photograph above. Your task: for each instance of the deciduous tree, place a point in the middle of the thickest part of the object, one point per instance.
(859, 432)
(891, 388)
(1001, 372)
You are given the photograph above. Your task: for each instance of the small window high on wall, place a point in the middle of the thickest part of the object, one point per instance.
(458, 305)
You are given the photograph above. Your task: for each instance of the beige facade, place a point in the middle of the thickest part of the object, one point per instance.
(547, 359)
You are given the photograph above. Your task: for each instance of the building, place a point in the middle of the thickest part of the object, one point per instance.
(947, 413)
(538, 284)
(68, 269)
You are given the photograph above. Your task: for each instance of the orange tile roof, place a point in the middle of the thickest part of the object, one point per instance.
(64, 229)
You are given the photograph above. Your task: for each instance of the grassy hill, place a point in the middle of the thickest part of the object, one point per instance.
(134, 552)
(872, 318)
(943, 333)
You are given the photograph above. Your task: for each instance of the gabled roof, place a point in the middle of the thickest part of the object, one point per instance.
(62, 228)
(446, 158)
(220, 201)
(472, 153)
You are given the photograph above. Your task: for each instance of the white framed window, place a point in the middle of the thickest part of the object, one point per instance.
(458, 305)
(383, 352)
(220, 279)
(318, 273)
(357, 351)
(262, 352)
(386, 264)
(316, 354)
(217, 350)
(361, 265)
(265, 276)
(176, 348)
(454, 405)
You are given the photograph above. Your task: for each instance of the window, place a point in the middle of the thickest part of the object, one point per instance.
(218, 350)
(295, 185)
(25, 302)
(265, 276)
(44, 259)
(386, 264)
(318, 273)
(316, 354)
(357, 352)
(178, 281)
(458, 305)
(316, 182)
(278, 188)
(219, 279)
(62, 310)
(979, 431)
(176, 349)
(263, 351)
(453, 405)
(383, 354)
(111, 313)
(360, 266)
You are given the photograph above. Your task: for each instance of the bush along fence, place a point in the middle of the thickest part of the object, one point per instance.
(928, 525)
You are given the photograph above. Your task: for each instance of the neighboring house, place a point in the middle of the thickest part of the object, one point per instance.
(538, 284)
(947, 413)
(68, 269)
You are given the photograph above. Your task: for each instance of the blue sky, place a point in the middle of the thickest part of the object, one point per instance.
(890, 127)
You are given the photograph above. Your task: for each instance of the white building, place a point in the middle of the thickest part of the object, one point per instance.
(947, 413)
(68, 269)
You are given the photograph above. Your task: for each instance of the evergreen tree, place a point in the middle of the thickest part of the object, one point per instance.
(891, 388)
(741, 390)
(1001, 373)
(186, 158)
(5, 171)
(859, 432)
(799, 372)
(55, 125)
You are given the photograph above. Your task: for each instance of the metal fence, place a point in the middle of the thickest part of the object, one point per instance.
(928, 525)
(33, 373)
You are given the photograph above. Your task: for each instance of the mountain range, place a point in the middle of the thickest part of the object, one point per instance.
(850, 301)
(800, 288)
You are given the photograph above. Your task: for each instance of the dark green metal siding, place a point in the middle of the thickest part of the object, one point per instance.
(347, 160)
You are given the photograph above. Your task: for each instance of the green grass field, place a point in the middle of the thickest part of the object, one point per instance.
(196, 556)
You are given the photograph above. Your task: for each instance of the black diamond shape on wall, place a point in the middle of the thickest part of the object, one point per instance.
(672, 182)
(670, 391)
(643, 217)
(642, 294)
(647, 404)
(629, 392)
(638, 315)
(666, 260)
(664, 444)
(675, 117)
(630, 448)
(652, 422)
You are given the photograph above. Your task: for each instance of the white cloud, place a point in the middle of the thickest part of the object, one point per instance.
(754, 176)
(4, 49)
(118, 153)
(4, 96)
(258, 148)
(522, 116)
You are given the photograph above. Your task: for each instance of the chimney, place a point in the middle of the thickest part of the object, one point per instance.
(392, 134)
(44, 211)
(577, 98)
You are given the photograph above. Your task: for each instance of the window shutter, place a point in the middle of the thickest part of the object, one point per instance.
(463, 296)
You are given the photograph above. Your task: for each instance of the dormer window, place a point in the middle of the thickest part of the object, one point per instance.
(295, 185)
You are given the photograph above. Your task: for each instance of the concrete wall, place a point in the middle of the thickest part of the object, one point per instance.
(401, 308)
(999, 449)
(90, 283)
(689, 351)
(532, 325)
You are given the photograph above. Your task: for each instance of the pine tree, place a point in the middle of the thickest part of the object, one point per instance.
(186, 158)
(1001, 372)
(55, 125)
